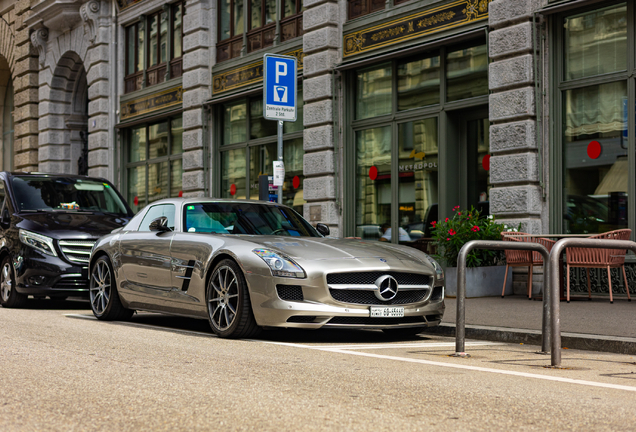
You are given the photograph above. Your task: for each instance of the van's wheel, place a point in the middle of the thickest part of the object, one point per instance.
(228, 299)
(104, 297)
(9, 295)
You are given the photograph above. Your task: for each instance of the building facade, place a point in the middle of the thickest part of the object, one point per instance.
(407, 108)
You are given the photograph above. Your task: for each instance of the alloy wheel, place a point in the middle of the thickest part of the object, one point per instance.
(100, 287)
(223, 298)
(6, 284)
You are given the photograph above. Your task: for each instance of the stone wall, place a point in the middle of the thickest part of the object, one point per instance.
(321, 47)
(516, 196)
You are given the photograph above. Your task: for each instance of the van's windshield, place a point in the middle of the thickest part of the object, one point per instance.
(66, 194)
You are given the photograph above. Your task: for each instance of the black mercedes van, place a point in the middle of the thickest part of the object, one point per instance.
(48, 225)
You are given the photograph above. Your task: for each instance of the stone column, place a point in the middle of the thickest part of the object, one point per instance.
(516, 196)
(321, 44)
(99, 34)
(196, 90)
(26, 93)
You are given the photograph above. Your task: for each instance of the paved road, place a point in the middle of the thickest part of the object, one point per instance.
(62, 370)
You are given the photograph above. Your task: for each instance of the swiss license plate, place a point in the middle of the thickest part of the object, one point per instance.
(387, 312)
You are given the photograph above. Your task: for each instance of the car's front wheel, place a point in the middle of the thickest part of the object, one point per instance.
(9, 296)
(229, 308)
(104, 297)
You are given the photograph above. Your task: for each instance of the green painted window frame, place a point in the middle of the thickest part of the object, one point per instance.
(558, 85)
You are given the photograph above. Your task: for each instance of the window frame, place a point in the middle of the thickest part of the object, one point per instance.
(559, 85)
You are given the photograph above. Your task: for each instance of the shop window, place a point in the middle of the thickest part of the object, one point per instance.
(257, 20)
(395, 130)
(154, 162)
(594, 128)
(250, 146)
(154, 48)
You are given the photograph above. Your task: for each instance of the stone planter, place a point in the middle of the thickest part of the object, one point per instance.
(480, 281)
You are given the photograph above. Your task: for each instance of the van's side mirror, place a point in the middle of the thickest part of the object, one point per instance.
(160, 224)
(322, 229)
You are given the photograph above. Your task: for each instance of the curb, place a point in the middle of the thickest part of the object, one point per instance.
(580, 341)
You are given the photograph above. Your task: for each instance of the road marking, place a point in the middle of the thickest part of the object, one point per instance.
(458, 366)
(404, 345)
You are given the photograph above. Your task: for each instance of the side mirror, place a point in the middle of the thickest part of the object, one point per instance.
(160, 224)
(322, 229)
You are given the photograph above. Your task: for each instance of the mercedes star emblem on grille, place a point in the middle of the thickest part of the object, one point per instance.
(387, 287)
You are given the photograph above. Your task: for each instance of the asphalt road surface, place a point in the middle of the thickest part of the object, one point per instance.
(62, 370)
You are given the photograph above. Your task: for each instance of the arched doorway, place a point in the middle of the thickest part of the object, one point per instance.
(64, 137)
(6, 116)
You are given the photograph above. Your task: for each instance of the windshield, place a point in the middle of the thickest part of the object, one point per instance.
(66, 194)
(246, 218)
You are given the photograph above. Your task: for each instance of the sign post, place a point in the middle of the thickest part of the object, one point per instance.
(279, 103)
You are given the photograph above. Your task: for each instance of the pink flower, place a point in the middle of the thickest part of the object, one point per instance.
(459, 213)
(434, 223)
(446, 220)
(447, 239)
(452, 232)
(475, 228)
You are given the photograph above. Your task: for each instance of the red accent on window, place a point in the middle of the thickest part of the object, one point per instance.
(180, 194)
(373, 173)
(233, 189)
(594, 149)
(485, 162)
(296, 182)
(136, 201)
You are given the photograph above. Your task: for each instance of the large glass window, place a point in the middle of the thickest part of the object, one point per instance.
(594, 129)
(154, 46)
(261, 25)
(154, 165)
(396, 131)
(250, 146)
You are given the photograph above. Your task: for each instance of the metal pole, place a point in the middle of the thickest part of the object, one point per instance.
(280, 157)
(460, 324)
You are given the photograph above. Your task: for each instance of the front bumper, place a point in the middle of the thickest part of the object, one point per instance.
(38, 274)
(312, 306)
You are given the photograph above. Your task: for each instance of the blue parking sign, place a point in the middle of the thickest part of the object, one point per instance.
(279, 98)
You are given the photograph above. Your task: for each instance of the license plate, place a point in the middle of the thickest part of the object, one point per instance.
(387, 312)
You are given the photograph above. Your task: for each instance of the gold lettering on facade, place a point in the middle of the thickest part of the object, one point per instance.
(387, 34)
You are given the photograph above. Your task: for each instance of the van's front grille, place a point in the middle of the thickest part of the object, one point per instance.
(77, 251)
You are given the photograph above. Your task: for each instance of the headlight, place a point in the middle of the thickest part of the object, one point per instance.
(37, 241)
(438, 269)
(280, 265)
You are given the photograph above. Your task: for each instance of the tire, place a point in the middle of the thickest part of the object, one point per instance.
(104, 297)
(407, 332)
(228, 302)
(9, 295)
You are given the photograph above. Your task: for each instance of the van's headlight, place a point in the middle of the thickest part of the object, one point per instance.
(439, 271)
(280, 265)
(37, 241)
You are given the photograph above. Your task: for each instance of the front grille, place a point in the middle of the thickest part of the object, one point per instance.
(77, 251)
(437, 293)
(301, 319)
(72, 283)
(376, 321)
(290, 292)
(369, 278)
(369, 298)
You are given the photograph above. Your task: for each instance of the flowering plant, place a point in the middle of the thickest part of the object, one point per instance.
(449, 236)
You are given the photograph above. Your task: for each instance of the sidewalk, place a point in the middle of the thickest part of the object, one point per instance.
(592, 325)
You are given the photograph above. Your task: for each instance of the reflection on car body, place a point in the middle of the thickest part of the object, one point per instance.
(245, 265)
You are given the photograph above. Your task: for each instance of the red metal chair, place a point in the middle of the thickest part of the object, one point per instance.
(598, 258)
(517, 258)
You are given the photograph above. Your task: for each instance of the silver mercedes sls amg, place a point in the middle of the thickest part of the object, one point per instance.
(248, 265)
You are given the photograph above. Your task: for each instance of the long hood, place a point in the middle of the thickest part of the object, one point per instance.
(71, 225)
(313, 249)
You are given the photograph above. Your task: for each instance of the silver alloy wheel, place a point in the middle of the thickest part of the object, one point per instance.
(5, 282)
(100, 287)
(223, 302)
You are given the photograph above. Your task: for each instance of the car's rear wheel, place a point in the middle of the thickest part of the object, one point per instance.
(104, 297)
(9, 296)
(229, 308)
(403, 332)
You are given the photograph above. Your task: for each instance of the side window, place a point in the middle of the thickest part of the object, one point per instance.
(154, 212)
